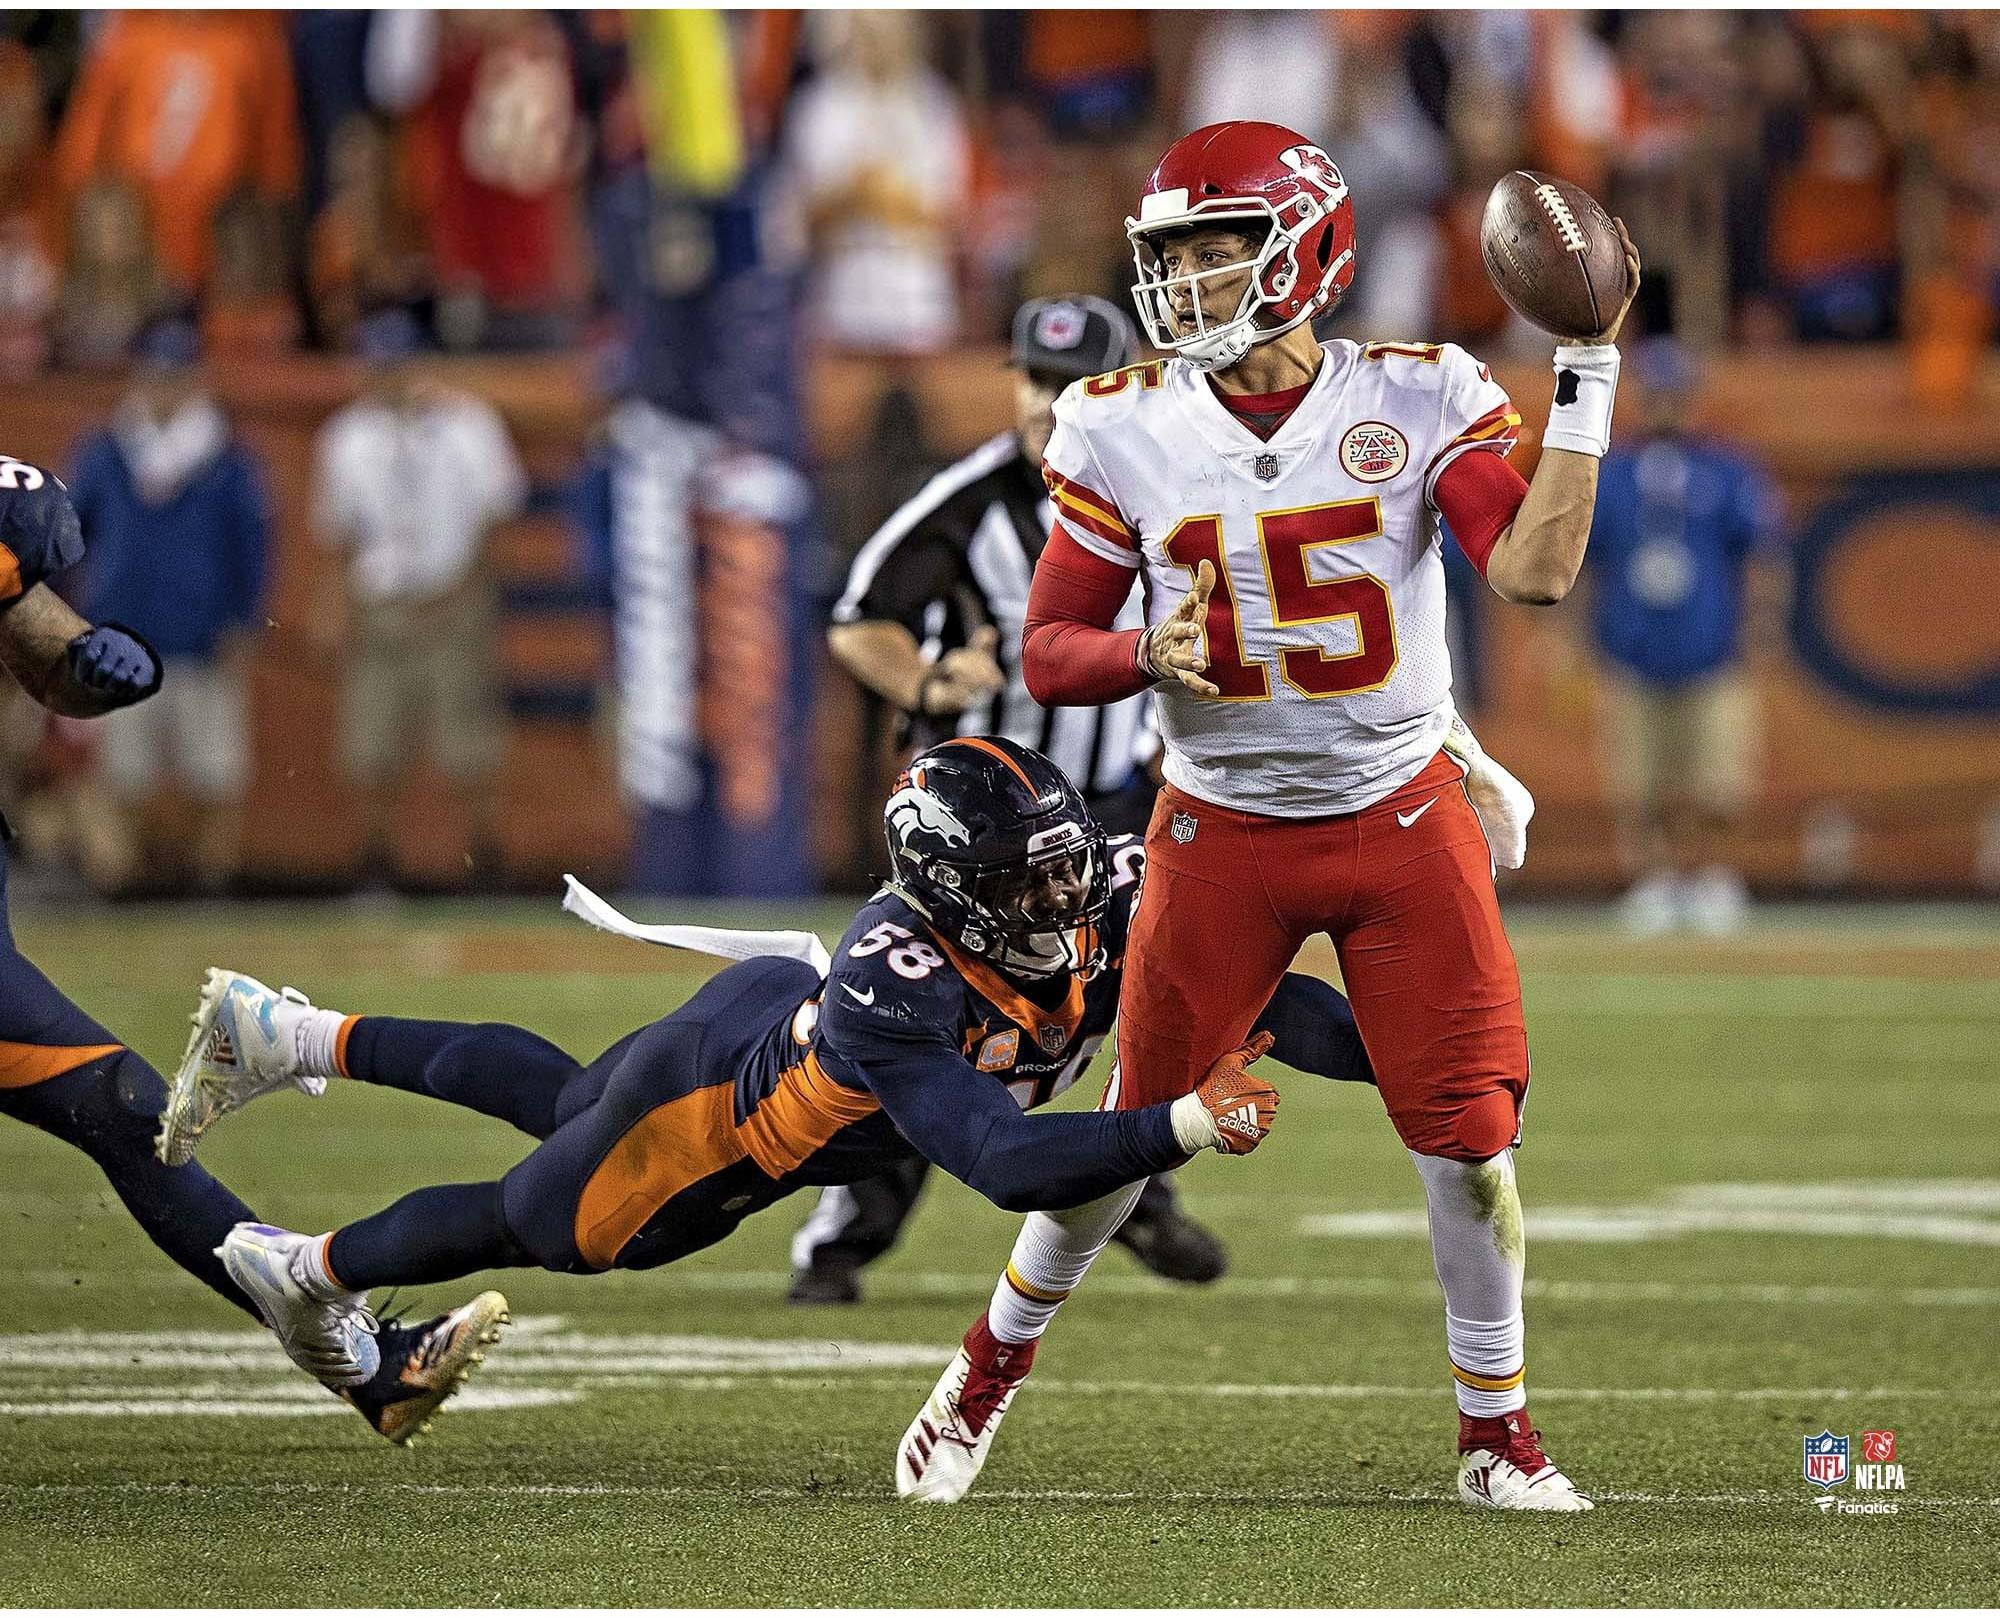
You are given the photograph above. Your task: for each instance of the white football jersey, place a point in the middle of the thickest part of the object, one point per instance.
(1326, 626)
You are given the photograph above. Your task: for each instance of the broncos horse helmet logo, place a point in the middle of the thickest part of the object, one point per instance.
(916, 808)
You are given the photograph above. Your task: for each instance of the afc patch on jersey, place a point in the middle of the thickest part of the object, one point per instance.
(1373, 452)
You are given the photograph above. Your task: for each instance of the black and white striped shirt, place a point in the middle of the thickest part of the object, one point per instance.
(961, 554)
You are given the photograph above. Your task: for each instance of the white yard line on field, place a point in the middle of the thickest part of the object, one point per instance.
(241, 1374)
(168, 1403)
(948, 1284)
(893, 1284)
(1956, 1212)
(881, 1495)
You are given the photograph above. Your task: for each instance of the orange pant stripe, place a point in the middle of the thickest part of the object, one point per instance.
(677, 1143)
(23, 1065)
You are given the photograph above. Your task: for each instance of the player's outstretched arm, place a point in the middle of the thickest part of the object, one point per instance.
(67, 665)
(1537, 557)
(971, 1128)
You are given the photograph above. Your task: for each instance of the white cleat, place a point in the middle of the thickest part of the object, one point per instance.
(244, 1045)
(332, 1340)
(1492, 1482)
(944, 1448)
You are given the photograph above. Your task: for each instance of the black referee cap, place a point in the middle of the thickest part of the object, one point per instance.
(1072, 337)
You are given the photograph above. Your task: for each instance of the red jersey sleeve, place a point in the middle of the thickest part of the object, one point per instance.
(1479, 495)
(1071, 657)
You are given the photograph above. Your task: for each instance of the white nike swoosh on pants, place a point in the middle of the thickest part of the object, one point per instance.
(1414, 815)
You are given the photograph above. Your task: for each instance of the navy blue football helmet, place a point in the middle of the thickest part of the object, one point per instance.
(994, 846)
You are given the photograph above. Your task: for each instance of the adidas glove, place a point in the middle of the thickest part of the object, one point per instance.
(1230, 1110)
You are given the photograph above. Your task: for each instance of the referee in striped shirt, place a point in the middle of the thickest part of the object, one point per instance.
(931, 619)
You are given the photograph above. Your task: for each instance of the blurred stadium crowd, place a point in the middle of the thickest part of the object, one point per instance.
(501, 175)
(604, 270)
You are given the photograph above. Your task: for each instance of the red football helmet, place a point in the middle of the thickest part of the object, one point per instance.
(1242, 172)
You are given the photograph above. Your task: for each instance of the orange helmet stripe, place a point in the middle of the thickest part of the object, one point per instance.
(984, 746)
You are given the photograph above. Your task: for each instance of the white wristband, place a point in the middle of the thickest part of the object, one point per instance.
(1194, 1124)
(1586, 389)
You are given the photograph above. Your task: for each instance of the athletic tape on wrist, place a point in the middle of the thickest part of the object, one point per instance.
(1142, 656)
(1586, 390)
(1194, 1124)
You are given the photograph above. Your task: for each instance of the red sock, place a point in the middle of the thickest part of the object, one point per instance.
(1494, 1432)
(1009, 1361)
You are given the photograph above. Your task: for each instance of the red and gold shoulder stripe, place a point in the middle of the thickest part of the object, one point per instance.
(1089, 510)
(1500, 422)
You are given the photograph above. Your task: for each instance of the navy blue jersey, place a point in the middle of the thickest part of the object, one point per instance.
(39, 533)
(892, 976)
(909, 1040)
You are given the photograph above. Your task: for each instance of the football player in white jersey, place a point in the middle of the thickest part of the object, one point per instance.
(1281, 499)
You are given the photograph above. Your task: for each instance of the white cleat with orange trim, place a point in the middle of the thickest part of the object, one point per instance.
(329, 1337)
(244, 1045)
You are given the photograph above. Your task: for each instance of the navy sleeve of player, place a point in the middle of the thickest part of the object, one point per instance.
(1313, 1026)
(965, 1122)
(890, 1022)
(39, 532)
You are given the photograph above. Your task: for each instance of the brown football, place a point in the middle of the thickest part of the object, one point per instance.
(1553, 253)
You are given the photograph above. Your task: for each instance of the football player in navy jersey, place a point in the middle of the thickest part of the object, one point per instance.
(64, 1072)
(975, 986)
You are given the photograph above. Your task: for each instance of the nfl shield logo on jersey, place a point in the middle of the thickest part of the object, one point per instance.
(1053, 1037)
(1826, 1460)
(1181, 827)
(1266, 468)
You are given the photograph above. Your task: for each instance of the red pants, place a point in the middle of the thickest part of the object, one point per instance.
(1404, 889)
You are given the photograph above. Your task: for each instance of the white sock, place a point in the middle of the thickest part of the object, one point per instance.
(1480, 1253)
(316, 1037)
(310, 1271)
(1051, 1256)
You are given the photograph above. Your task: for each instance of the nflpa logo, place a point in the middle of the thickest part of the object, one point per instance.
(1878, 1447)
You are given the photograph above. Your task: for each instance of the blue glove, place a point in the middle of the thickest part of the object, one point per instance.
(114, 662)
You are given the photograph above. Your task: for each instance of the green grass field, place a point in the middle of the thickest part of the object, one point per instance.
(1763, 1190)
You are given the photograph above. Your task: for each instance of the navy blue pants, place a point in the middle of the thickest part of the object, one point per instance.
(64, 1072)
(635, 1167)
